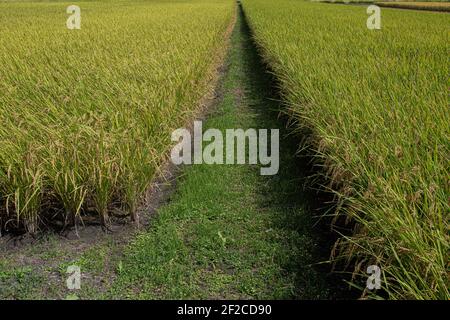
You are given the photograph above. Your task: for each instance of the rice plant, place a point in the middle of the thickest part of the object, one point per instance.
(376, 102)
(86, 115)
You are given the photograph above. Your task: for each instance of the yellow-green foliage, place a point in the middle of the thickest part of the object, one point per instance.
(422, 5)
(86, 115)
(376, 101)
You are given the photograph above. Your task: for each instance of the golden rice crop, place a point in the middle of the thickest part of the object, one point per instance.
(86, 115)
(376, 102)
(420, 5)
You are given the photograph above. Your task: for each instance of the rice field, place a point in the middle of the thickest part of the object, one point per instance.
(419, 5)
(86, 115)
(376, 105)
(86, 120)
(431, 5)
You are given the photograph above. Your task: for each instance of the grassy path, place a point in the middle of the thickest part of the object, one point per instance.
(229, 232)
(226, 233)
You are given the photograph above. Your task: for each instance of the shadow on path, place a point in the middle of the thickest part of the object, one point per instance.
(296, 208)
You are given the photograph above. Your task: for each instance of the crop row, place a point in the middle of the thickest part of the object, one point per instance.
(375, 103)
(86, 115)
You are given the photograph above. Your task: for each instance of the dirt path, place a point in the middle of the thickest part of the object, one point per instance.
(225, 233)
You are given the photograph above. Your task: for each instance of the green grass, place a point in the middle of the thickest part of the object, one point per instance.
(87, 114)
(39, 270)
(228, 232)
(18, 282)
(376, 104)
